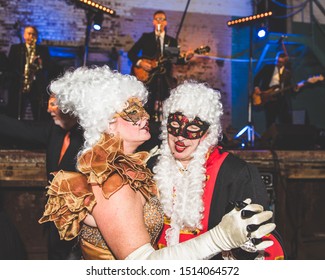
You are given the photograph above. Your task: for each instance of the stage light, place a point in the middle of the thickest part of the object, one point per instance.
(98, 20)
(261, 33)
(248, 19)
(97, 6)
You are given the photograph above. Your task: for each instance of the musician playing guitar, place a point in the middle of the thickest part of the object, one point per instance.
(158, 78)
(277, 75)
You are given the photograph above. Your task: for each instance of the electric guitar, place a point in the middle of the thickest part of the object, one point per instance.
(259, 98)
(158, 66)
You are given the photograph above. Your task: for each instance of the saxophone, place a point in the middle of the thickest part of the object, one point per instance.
(33, 64)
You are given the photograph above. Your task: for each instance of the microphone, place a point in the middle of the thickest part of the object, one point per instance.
(158, 28)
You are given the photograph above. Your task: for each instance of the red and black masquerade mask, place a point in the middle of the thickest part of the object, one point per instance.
(180, 125)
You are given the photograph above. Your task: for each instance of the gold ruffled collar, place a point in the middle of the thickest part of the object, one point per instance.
(107, 158)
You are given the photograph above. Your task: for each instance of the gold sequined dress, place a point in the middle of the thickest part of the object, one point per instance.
(71, 198)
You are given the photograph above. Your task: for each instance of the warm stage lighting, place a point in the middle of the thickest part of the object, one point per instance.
(98, 6)
(248, 19)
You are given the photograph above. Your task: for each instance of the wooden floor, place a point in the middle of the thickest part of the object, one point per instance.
(295, 181)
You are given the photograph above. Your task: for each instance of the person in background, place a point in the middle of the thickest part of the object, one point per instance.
(158, 78)
(29, 66)
(62, 138)
(111, 204)
(196, 178)
(278, 76)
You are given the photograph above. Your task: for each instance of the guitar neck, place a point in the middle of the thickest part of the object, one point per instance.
(286, 88)
(262, 97)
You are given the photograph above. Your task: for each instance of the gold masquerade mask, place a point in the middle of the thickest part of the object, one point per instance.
(133, 111)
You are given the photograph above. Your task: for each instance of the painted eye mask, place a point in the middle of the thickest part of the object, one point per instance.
(180, 125)
(134, 111)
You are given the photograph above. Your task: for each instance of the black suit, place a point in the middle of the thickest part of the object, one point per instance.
(49, 136)
(280, 107)
(37, 95)
(159, 86)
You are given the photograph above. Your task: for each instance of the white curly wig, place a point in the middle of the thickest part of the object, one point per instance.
(94, 95)
(185, 209)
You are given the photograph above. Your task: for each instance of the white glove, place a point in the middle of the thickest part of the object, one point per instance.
(228, 237)
(230, 233)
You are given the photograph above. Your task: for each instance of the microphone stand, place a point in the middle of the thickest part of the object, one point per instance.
(90, 17)
(249, 128)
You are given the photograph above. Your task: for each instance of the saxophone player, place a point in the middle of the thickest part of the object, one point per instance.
(29, 65)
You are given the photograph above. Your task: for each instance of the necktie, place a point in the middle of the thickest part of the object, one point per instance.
(65, 145)
(158, 47)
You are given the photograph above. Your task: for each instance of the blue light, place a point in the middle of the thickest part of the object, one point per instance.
(261, 33)
(97, 27)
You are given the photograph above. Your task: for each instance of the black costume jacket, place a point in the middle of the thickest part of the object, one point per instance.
(236, 181)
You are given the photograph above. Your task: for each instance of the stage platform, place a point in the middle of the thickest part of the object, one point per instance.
(295, 181)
